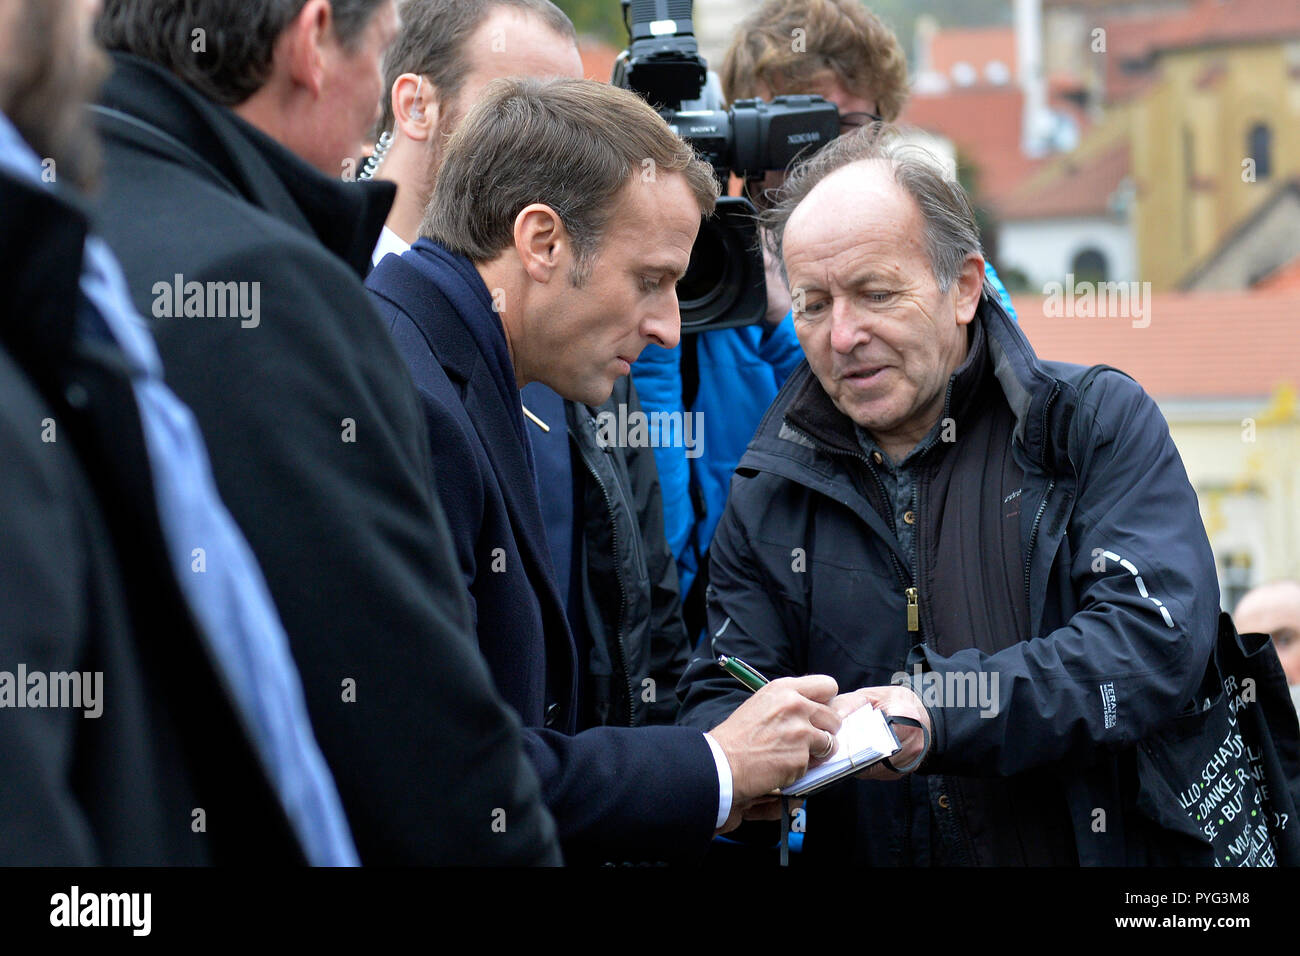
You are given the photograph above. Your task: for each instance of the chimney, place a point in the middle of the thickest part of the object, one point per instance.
(1029, 74)
(925, 79)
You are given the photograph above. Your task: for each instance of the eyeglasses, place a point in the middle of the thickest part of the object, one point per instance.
(850, 121)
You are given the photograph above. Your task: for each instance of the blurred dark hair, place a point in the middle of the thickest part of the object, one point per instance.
(238, 37)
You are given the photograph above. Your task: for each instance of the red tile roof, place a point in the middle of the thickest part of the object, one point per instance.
(1197, 346)
(1133, 41)
(1075, 187)
(1224, 21)
(1285, 276)
(977, 46)
(984, 124)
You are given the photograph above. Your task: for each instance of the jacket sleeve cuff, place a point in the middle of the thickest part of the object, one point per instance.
(938, 729)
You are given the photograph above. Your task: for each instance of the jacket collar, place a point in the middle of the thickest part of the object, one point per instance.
(421, 295)
(345, 217)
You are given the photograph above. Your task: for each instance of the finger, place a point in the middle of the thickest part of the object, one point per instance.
(824, 717)
(823, 749)
(816, 687)
(846, 704)
(912, 743)
(877, 771)
(877, 696)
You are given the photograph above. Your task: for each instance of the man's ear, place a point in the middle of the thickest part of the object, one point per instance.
(968, 287)
(305, 41)
(416, 109)
(541, 241)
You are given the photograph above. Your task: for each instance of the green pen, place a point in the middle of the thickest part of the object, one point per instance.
(742, 672)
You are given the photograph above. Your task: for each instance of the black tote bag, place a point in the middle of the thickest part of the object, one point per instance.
(1222, 781)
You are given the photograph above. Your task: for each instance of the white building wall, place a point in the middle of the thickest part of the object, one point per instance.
(1044, 249)
(715, 24)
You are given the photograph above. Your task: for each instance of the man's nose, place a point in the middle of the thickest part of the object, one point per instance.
(848, 326)
(664, 325)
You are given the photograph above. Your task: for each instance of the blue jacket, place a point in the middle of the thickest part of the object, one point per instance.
(616, 793)
(741, 370)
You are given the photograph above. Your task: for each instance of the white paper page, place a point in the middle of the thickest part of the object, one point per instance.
(864, 736)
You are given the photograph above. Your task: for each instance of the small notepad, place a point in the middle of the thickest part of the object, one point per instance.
(864, 739)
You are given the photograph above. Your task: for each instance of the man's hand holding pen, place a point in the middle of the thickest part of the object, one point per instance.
(772, 737)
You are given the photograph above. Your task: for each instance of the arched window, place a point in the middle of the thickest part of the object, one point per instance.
(1259, 147)
(1089, 265)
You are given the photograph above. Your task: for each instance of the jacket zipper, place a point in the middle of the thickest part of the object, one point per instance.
(622, 592)
(1042, 505)
(1033, 534)
(910, 591)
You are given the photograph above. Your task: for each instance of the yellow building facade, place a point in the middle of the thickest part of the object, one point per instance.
(1213, 136)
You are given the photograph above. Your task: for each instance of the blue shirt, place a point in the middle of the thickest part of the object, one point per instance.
(228, 596)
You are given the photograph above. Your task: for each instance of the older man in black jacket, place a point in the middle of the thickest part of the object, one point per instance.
(217, 185)
(928, 502)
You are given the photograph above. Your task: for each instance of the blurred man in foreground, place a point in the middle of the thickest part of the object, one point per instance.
(149, 711)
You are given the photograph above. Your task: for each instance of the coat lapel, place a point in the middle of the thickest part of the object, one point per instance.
(456, 351)
(496, 431)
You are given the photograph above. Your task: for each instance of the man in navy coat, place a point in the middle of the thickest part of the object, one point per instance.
(564, 213)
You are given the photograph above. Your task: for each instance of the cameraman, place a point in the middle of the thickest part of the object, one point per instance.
(730, 376)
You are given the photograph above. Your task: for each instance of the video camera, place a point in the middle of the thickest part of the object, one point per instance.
(724, 285)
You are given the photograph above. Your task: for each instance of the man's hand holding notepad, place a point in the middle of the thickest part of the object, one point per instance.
(864, 738)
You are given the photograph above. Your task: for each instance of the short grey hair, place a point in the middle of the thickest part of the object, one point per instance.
(951, 233)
